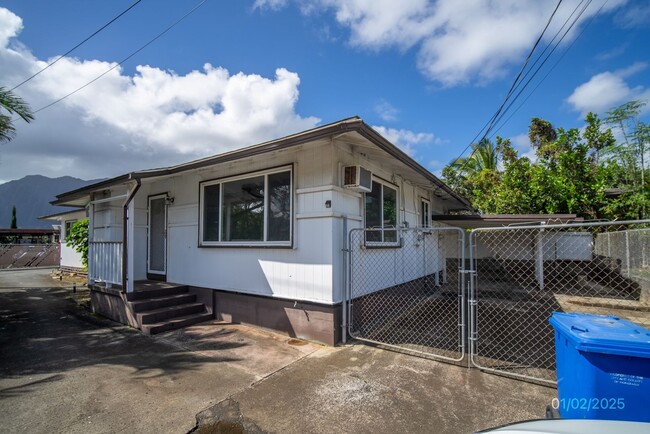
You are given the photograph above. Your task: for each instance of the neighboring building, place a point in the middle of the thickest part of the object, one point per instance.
(29, 236)
(70, 260)
(29, 248)
(255, 235)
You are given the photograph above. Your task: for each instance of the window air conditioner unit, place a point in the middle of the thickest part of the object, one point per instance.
(358, 179)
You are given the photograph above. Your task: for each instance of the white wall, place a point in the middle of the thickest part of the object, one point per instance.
(106, 221)
(69, 256)
(380, 268)
(312, 269)
(303, 272)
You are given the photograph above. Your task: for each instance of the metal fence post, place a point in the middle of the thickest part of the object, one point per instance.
(344, 290)
(627, 252)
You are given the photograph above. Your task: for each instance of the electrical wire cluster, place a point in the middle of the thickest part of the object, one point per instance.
(527, 74)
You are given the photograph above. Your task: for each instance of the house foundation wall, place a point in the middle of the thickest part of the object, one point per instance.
(302, 320)
(111, 303)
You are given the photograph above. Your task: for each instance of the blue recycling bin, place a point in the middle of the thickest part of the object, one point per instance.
(603, 367)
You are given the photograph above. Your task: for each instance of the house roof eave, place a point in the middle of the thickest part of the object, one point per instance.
(354, 123)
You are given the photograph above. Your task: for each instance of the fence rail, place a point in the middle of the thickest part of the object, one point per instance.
(408, 293)
(29, 255)
(105, 261)
(417, 294)
(522, 274)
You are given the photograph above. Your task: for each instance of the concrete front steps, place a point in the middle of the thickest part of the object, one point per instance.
(159, 307)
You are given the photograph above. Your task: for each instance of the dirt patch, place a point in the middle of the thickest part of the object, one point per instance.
(76, 285)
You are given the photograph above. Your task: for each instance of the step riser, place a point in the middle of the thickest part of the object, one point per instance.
(143, 306)
(160, 328)
(154, 293)
(149, 318)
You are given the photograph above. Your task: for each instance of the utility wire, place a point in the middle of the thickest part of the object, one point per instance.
(512, 87)
(198, 5)
(548, 45)
(497, 118)
(552, 67)
(77, 46)
(546, 59)
(516, 82)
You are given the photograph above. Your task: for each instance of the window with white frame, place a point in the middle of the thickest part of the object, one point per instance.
(381, 213)
(425, 213)
(247, 210)
(68, 225)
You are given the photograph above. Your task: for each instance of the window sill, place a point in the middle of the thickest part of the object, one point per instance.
(379, 245)
(247, 245)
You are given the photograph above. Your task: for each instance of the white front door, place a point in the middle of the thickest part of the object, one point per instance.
(157, 235)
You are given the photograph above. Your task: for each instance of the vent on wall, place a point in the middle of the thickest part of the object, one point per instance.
(357, 178)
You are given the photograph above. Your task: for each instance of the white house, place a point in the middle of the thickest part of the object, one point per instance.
(254, 235)
(70, 259)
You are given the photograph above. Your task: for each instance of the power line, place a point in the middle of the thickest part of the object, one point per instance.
(573, 23)
(498, 116)
(78, 45)
(512, 87)
(198, 5)
(557, 62)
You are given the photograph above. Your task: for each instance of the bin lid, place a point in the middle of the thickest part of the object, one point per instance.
(603, 334)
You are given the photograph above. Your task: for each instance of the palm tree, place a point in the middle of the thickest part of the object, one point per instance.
(484, 156)
(12, 104)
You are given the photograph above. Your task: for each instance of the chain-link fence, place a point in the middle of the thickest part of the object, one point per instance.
(523, 274)
(406, 289)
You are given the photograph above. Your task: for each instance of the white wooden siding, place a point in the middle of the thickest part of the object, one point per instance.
(312, 270)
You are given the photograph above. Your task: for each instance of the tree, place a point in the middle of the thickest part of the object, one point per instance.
(564, 178)
(484, 156)
(630, 154)
(14, 222)
(77, 237)
(473, 175)
(11, 104)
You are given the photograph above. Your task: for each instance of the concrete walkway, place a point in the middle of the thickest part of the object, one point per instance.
(61, 373)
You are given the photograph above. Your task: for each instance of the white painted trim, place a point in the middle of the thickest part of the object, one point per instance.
(318, 215)
(187, 206)
(109, 199)
(182, 225)
(162, 196)
(260, 173)
(328, 188)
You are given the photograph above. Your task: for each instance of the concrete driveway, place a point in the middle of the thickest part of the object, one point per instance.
(61, 371)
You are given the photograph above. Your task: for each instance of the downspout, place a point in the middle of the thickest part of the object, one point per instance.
(125, 233)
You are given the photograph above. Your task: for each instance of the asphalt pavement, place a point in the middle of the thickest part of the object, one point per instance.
(64, 371)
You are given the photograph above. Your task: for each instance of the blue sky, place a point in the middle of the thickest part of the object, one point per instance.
(428, 75)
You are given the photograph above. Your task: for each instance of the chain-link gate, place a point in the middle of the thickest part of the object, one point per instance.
(521, 274)
(406, 289)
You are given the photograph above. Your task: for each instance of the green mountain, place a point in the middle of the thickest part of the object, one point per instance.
(32, 196)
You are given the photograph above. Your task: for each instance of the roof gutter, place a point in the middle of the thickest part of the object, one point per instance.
(125, 233)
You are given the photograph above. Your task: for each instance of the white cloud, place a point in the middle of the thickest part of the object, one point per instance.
(436, 166)
(269, 4)
(386, 111)
(606, 90)
(521, 143)
(11, 25)
(408, 141)
(123, 122)
(637, 15)
(457, 42)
